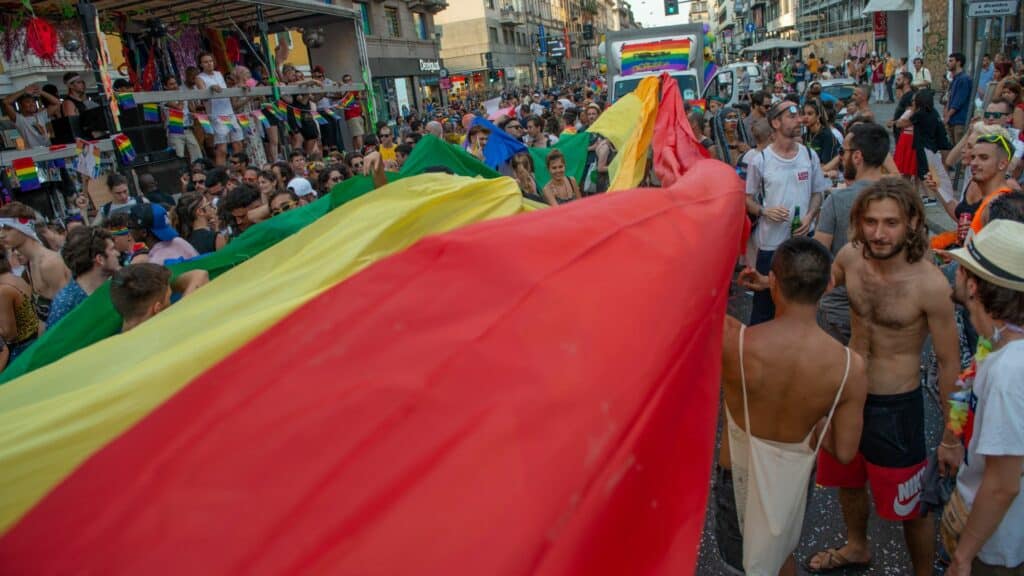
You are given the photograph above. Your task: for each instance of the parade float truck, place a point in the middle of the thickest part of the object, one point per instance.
(635, 54)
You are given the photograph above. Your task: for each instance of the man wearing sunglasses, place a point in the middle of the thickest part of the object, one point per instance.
(784, 178)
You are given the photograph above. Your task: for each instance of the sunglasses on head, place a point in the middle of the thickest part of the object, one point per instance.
(791, 108)
(996, 139)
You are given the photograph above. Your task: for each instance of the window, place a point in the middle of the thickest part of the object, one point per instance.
(494, 34)
(419, 21)
(394, 26)
(490, 4)
(364, 10)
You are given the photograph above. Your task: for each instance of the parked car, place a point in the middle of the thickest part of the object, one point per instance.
(839, 88)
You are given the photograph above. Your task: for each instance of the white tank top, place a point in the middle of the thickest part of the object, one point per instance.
(217, 106)
(770, 485)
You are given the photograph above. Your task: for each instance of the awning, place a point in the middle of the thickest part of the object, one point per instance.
(775, 44)
(280, 14)
(889, 6)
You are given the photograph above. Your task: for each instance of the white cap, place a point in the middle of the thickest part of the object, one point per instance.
(301, 187)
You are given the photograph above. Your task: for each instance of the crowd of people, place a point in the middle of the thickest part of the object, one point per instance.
(839, 248)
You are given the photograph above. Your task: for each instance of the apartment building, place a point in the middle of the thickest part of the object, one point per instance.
(490, 45)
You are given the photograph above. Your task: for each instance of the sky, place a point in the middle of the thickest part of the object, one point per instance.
(651, 13)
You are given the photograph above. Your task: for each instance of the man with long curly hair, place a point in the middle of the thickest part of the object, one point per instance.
(897, 297)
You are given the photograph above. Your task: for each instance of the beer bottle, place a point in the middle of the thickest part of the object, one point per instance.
(797, 223)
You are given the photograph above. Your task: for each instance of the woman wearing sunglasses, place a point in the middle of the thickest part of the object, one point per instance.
(730, 136)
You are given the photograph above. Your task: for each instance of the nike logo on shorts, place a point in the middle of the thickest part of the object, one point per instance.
(905, 509)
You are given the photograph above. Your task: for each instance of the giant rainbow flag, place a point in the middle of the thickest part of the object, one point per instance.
(660, 55)
(429, 378)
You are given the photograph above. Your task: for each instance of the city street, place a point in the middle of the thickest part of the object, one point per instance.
(823, 523)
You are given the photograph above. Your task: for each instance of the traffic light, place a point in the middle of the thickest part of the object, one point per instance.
(671, 7)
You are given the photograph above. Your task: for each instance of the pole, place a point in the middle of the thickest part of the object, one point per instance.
(90, 29)
(978, 51)
(267, 53)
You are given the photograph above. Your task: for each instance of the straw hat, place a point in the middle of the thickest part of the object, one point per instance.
(996, 254)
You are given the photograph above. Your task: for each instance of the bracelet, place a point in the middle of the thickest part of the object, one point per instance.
(944, 445)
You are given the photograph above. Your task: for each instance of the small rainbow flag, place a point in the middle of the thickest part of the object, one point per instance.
(28, 175)
(125, 148)
(701, 104)
(151, 112)
(282, 109)
(271, 110)
(204, 122)
(175, 121)
(348, 100)
(657, 56)
(226, 119)
(257, 114)
(297, 113)
(329, 113)
(319, 119)
(125, 100)
(243, 121)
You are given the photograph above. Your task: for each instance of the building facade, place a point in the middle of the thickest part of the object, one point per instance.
(488, 46)
(404, 53)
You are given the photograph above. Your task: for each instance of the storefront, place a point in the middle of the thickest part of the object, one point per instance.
(402, 85)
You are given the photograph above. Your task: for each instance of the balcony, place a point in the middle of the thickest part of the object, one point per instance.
(509, 16)
(700, 6)
(431, 6)
(25, 68)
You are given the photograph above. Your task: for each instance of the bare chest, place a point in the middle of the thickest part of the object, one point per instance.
(884, 303)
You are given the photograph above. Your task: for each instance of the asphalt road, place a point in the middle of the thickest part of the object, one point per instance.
(823, 524)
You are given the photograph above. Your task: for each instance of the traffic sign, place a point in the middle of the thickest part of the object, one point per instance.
(750, 27)
(991, 8)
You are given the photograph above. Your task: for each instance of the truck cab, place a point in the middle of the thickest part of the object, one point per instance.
(635, 54)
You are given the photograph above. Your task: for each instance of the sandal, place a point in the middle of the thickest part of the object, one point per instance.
(835, 563)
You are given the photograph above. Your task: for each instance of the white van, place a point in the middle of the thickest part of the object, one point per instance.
(753, 73)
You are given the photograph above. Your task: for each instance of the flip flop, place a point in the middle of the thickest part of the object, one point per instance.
(836, 562)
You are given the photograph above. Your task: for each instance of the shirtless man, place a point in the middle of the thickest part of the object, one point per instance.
(47, 272)
(896, 299)
(786, 358)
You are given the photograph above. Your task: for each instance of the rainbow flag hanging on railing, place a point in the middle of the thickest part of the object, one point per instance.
(319, 119)
(151, 112)
(27, 174)
(124, 148)
(204, 123)
(259, 115)
(243, 122)
(175, 121)
(125, 100)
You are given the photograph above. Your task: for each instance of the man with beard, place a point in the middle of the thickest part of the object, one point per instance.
(897, 298)
(864, 152)
(784, 178)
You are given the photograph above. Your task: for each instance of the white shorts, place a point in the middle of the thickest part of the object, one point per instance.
(224, 132)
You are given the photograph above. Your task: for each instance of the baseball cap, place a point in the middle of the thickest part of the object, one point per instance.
(996, 254)
(154, 218)
(300, 186)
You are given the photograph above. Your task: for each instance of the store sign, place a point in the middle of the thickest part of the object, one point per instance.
(991, 8)
(430, 65)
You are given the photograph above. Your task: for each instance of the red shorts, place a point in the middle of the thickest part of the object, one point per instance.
(892, 456)
(896, 491)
